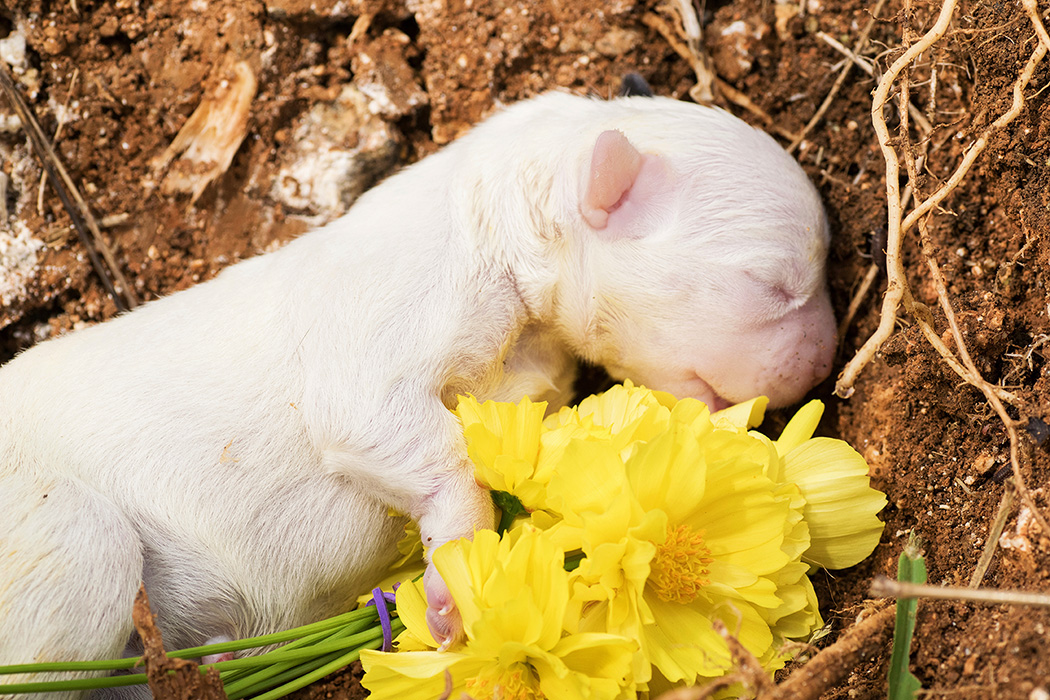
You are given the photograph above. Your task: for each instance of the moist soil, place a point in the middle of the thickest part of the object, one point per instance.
(121, 78)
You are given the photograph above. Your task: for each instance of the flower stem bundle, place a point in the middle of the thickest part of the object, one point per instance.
(312, 652)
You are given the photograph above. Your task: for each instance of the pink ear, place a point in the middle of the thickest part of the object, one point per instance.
(621, 185)
(614, 166)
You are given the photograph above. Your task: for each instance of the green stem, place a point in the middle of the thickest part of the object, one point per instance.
(346, 659)
(78, 684)
(326, 639)
(280, 667)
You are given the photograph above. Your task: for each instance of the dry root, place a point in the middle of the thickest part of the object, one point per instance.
(898, 292)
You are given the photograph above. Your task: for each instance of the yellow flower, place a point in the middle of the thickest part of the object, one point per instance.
(840, 505)
(624, 415)
(503, 441)
(683, 517)
(693, 531)
(512, 594)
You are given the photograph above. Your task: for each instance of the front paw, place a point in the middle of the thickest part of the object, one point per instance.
(442, 616)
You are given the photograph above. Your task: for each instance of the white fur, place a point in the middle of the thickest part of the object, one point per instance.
(237, 445)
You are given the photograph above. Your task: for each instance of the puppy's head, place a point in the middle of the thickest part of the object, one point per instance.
(700, 265)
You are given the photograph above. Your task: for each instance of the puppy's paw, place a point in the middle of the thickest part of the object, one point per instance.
(442, 616)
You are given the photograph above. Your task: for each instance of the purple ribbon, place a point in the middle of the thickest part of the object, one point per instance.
(381, 600)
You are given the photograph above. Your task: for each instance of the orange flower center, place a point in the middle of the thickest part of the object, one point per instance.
(515, 683)
(679, 569)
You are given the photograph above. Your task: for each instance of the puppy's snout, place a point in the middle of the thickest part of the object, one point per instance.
(806, 351)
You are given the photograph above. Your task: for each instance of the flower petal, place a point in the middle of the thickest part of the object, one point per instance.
(800, 428)
(669, 472)
(840, 504)
(684, 646)
(592, 477)
(412, 609)
(742, 416)
(416, 675)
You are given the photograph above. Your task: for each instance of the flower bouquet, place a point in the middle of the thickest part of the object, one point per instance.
(632, 523)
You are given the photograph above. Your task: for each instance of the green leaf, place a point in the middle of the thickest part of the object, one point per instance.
(912, 569)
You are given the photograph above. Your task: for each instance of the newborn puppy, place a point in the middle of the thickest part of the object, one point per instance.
(237, 446)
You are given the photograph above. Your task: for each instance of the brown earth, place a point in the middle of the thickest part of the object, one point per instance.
(933, 444)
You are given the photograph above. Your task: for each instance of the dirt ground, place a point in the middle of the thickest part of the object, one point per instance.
(313, 100)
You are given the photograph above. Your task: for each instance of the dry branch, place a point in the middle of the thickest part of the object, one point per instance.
(808, 682)
(992, 542)
(886, 587)
(827, 669)
(171, 678)
(83, 221)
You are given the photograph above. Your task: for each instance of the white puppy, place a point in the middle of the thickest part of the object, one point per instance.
(236, 446)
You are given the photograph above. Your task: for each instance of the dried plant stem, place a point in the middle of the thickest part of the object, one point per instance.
(889, 588)
(858, 297)
(832, 664)
(897, 282)
(55, 139)
(990, 544)
(700, 64)
(689, 25)
(865, 65)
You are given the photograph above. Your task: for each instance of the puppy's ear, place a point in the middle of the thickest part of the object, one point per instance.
(634, 85)
(622, 185)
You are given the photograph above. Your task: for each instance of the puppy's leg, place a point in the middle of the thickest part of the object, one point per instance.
(427, 476)
(456, 509)
(70, 565)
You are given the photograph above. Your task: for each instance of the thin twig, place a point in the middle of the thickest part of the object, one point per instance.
(693, 32)
(741, 100)
(75, 205)
(730, 93)
(55, 139)
(888, 588)
(992, 542)
(858, 298)
(866, 65)
(746, 670)
(703, 692)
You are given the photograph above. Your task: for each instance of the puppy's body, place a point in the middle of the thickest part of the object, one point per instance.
(237, 446)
